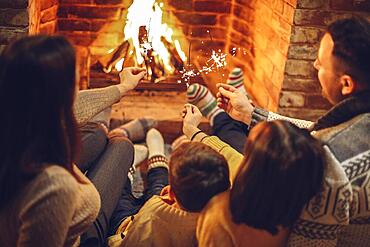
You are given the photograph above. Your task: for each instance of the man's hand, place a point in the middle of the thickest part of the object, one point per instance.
(130, 77)
(234, 102)
(192, 117)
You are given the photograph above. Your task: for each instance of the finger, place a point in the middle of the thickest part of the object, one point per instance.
(197, 111)
(226, 86)
(137, 70)
(225, 93)
(141, 74)
(188, 108)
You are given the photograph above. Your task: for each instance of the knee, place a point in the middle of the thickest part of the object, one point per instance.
(122, 145)
(95, 133)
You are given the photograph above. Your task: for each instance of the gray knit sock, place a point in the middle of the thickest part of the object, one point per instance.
(137, 128)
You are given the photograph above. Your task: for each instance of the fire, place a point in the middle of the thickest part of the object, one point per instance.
(152, 39)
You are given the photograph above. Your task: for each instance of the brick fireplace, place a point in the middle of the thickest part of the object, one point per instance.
(274, 41)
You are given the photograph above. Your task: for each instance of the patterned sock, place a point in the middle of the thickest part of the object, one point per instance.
(201, 97)
(236, 79)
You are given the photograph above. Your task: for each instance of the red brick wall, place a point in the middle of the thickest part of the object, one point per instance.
(262, 28)
(14, 21)
(48, 16)
(301, 92)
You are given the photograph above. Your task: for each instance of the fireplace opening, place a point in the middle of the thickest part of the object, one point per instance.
(273, 42)
(149, 41)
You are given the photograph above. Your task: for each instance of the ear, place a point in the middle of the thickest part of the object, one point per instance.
(171, 194)
(348, 85)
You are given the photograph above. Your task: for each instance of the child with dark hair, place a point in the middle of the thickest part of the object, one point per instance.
(169, 216)
(282, 169)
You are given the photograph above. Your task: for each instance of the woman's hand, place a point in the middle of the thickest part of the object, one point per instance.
(235, 103)
(130, 77)
(192, 117)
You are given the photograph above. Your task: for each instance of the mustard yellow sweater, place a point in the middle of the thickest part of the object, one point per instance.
(157, 224)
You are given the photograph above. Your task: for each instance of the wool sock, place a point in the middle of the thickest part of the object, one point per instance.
(136, 129)
(236, 79)
(201, 97)
(134, 174)
(155, 143)
(141, 153)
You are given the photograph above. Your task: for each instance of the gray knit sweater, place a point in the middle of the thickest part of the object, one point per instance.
(340, 214)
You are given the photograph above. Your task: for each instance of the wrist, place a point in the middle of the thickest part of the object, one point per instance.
(122, 89)
(189, 131)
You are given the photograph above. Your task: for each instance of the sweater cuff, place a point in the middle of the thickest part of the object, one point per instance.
(214, 142)
(157, 161)
(258, 115)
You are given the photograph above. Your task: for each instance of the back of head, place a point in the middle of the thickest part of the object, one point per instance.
(197, 173)
(283, 169)
(351, 38)
(37, 87)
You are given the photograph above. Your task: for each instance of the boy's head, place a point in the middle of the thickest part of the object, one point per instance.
(196, 174)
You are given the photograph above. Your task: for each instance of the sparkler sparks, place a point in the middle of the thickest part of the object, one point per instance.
(216, 62)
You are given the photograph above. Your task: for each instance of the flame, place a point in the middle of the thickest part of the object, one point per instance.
(119, 64)
(149, 13)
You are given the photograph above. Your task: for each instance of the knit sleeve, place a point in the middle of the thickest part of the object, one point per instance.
(233, 157)
(260, 115)
(88, 103)
(45, 219)
(303, 124)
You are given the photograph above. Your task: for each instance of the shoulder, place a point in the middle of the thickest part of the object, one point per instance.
(216, 210)
(347, 139)
(57, 176)
(53, 183)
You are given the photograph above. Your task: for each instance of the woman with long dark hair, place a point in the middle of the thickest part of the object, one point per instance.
(282, 169)
(44, 199)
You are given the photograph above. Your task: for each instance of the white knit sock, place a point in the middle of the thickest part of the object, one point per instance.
(201, 97)
(155, 143)
(141, 153)
(236, 79)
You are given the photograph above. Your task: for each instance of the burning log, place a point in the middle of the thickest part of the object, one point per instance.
(109, 60)
(151, 61)
(175, 57)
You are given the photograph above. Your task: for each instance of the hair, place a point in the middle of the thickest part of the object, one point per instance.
(351, 38)
(282, 170)
(196, 174)
(37, 88)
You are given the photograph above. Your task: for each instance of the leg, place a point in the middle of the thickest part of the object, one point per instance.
(230, 131)
(157, 179)
(157, 176)
(127, 205)
(93, 142)
(109, 175)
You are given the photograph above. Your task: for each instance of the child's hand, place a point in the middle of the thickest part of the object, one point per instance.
(192, 117)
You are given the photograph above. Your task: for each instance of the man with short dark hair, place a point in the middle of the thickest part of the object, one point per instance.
(340, 213)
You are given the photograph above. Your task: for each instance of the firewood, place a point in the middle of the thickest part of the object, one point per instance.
(175, 57)
(110, 59)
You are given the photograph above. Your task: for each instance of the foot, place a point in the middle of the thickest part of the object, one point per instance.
(155, 143)
(201, 97)
(135, 130)
(141, 153)
(236, 79)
